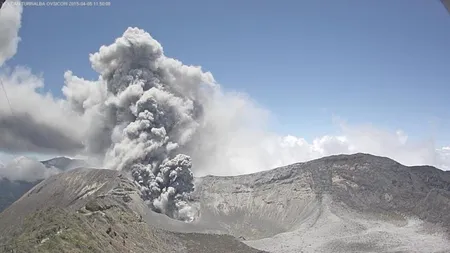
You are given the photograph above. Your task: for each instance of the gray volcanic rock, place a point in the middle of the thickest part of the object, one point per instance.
(92, 210)
(65, 163)
(344, 203)
(12, 190)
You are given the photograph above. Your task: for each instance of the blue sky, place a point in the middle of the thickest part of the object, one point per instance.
(381, 62)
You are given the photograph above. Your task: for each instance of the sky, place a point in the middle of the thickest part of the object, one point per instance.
(382, 64)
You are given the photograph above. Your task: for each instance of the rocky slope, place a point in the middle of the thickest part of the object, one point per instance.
(92, 210)
(345, 203)
(11, 190)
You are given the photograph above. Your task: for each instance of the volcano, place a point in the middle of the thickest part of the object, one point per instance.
(343, 203)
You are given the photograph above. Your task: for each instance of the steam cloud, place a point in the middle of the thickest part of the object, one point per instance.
(161, 120)
(25, 127)
(26, 169)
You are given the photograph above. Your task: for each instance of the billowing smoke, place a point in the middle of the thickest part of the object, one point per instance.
(34, 122)
(24, 126)
(141, 112)
(161, 120)
(152, 108)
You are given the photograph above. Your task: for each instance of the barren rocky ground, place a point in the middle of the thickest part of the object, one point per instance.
(345, 203)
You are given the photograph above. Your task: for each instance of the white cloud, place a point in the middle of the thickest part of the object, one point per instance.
(10, 15)
(26, 169)
(36, 122)
(252, 151)
(373, 140)
(231, 136)
(30, 121)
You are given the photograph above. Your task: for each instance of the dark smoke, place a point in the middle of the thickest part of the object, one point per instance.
(151, 111)
(19, 132)
(161, 120)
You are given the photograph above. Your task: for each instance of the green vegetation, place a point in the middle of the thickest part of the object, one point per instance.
(55, 230)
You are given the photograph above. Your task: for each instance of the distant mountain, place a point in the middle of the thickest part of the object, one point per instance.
(11, 191)
(64, 163)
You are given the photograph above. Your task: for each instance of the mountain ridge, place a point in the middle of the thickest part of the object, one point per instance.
(73, 207)
(343, 203)
(356, 189)
(11, 190)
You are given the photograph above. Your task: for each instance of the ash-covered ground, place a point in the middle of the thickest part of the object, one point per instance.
(96, 210)
(346, 203)
(154, 123)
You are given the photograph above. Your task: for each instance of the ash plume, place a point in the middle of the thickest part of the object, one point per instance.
(25, 133)
(162, 121)
(152, 108)
(35, 122)
(29, 120)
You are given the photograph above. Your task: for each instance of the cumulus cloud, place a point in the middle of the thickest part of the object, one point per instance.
(164, 122)
(34, 122)
(10, 16)
(26, 169)
(249, 150)
(30, 121)
(367, 139)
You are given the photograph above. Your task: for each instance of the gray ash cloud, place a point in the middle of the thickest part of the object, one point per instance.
(162, 120)
(151, 111)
